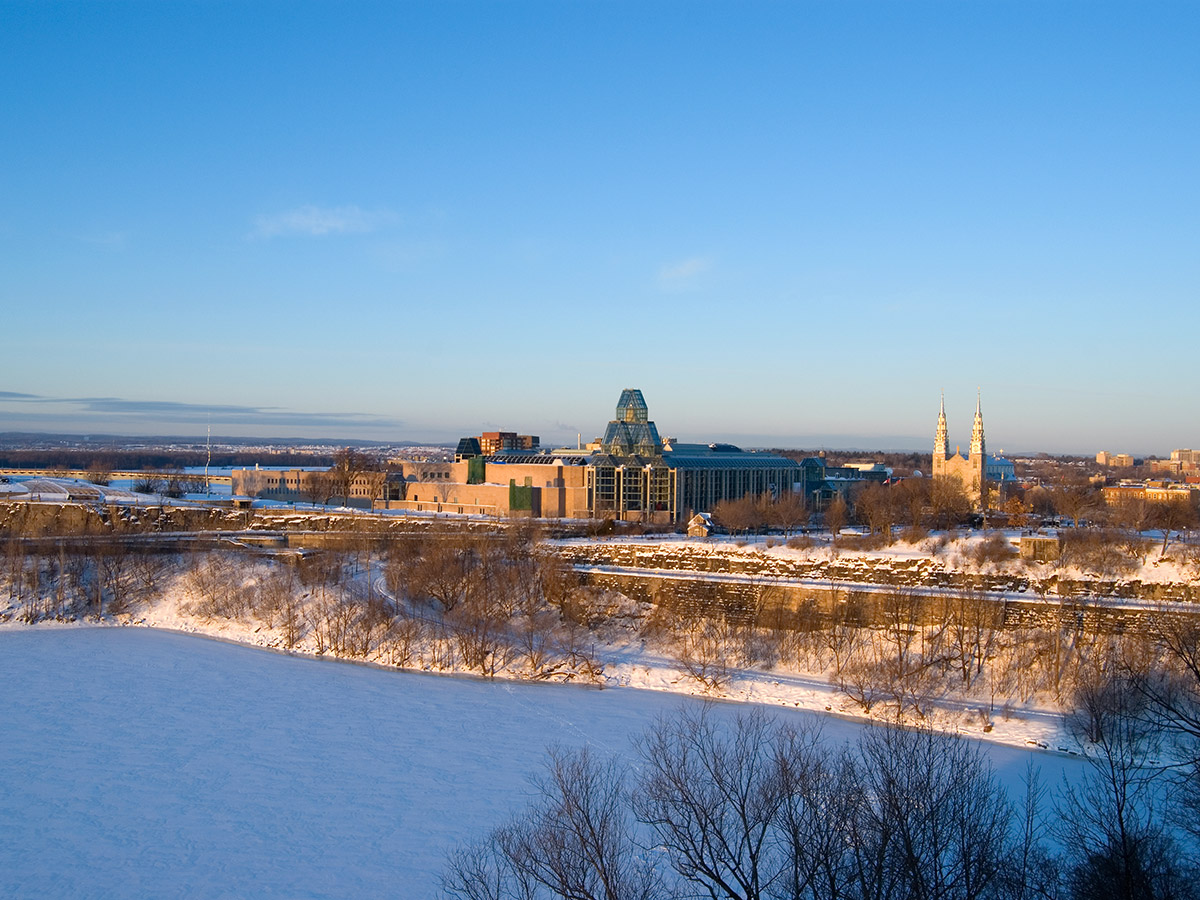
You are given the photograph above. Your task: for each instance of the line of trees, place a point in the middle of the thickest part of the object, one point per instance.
(504, 597)
(489, 602)
(754, 809)
(918, 504)
(63, 583)
(914, 502)
(907, 654)
(170, 483)
(787, 513)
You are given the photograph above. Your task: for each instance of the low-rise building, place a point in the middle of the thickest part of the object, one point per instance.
(362, 489)
(701, 525)
(1116, 460)
(1040, 547)
(491, 442)
(1167, 466)
(1151, 492)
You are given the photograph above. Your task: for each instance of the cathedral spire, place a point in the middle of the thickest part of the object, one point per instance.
(978, 448)
(940, 438)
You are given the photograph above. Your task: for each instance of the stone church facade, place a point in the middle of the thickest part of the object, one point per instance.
(968, 469)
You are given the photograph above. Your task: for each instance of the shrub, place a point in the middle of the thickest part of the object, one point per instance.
(993, 549)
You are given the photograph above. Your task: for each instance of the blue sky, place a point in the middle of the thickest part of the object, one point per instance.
(787, 223)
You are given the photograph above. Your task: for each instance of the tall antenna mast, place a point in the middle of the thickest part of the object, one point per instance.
(208, 458)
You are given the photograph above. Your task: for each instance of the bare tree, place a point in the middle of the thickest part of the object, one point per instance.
(1170, 689)
(934, 821)
(348, 464)
(704, 653)
(912, 498)
(822, 796)
(788, 512)
(400, 642)
(1075, 501)
(116, 576)
(971, 633)
(1110, 822)
(1175, 515)
(374, 482)
(1032, 872)
(177, 483)
(215, 580)
(482, 632)
(402, 568)
(1099, 552)
(1134, 513)
(713, 799)
(843, 637)
(534, 639)
(577, 841)
(740, 515)
(317, 487)
(560, 583)
(148, 484)
(876, 506)
(16, 560)
(99, 473)
(912, 649)
(836, 515)
(949, 502)
(445, 570)
(280, 603)
(482, 872)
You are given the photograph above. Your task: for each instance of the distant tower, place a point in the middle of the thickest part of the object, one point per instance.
(941, 447)
(977, 445)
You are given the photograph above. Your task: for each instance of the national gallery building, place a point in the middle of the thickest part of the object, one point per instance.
(629, 474)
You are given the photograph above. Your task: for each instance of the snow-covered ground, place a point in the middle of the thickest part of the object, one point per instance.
(141, 763)
(629, 662)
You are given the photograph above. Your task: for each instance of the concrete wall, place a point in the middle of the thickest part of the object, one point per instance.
(460, 498)
(558, 491)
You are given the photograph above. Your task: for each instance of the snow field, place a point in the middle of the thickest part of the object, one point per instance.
(139, 763)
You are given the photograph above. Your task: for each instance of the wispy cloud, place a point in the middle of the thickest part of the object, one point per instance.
(684, 274)
(318, 221)
(95, 410)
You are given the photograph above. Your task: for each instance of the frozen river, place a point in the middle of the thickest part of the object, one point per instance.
(138, 763)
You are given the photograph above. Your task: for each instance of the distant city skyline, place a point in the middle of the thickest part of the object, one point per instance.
(790, 225)
(165, 420)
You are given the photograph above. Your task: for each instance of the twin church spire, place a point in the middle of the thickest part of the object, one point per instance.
(941, 439)
(969, 470)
